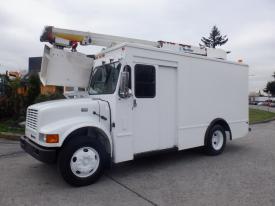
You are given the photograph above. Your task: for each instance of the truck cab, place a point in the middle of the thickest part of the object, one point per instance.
(52, 126)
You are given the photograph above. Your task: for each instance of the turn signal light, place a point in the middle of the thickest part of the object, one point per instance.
(52, 138)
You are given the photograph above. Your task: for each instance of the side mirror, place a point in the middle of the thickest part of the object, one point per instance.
(124, 91)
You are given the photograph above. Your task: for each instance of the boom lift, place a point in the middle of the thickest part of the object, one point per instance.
(69, 38)
(61, 67)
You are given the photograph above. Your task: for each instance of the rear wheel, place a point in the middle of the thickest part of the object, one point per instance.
(81, 162)
(215, 141)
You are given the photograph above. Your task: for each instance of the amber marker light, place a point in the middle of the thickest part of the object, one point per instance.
(52, 138)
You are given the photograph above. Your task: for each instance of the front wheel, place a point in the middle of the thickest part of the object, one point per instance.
(81, 162)
(215, 141)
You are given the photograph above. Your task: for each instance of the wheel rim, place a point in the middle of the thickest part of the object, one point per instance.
(217, 140)
(84, 162)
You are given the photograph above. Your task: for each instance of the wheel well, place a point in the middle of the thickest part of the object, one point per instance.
(91, 132)
(221, 122)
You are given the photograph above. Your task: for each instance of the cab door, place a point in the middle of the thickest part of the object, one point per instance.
(145, 133)
(123, 130)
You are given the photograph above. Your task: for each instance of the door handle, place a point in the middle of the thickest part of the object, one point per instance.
(134, 103)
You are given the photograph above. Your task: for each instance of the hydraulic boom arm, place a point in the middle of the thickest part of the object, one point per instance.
(66, 38)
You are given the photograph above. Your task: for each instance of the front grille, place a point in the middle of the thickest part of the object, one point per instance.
(31, 120)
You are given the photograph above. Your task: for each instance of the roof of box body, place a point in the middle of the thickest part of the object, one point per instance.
(146, 47)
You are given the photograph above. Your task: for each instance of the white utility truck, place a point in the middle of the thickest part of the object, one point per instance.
(141, 97)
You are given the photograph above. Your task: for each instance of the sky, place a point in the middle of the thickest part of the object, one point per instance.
(249, 25)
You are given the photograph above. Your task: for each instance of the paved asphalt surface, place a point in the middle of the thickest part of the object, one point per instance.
(243, 175)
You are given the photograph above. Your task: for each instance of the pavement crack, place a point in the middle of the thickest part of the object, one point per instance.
(131, 190)
(9, 143)
(11, 154)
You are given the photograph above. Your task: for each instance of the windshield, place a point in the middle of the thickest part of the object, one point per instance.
(104, 79)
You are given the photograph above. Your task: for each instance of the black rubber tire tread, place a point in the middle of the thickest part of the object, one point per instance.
(66, 153)
(208, 142)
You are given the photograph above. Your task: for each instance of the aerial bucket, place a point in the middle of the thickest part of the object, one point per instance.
(64, 68)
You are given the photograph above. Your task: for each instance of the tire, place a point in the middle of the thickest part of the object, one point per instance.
(215, 141)
(82, 161)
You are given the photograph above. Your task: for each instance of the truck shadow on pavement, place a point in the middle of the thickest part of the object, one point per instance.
(170, 160)
(46, 174)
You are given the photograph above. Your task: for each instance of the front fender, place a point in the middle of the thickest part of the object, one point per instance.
(67, 126)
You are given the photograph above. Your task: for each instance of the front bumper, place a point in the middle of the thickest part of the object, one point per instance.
(43, 154)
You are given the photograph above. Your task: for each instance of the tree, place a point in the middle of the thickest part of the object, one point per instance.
(15, 102)
(11, 106)
(270, 86)
(215, 38)
(33, 88)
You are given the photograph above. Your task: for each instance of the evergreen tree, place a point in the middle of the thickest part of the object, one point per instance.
(215, 38)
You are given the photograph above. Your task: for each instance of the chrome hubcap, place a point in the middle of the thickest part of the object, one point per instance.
(217, 140)
(84, 162)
